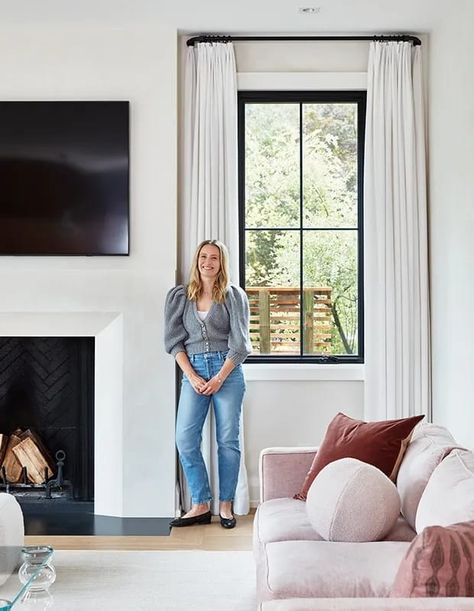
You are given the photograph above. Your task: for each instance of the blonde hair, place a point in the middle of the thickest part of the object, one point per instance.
(219, 290)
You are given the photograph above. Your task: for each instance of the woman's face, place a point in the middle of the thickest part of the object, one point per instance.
(209, 261)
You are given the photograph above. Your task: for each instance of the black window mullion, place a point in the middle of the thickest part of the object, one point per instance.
(241, 189)
(305, 228)
(361, 112)
(301, 237)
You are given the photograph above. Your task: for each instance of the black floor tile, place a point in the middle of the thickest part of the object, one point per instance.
(69, 520)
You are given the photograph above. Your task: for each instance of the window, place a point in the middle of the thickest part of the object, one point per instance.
(301, 236)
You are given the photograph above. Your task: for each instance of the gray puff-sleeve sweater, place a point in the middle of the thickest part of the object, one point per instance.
(226, 326)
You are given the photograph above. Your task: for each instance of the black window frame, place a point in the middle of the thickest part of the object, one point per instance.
(307, 97)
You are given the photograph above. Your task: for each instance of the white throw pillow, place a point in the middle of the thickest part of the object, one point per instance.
(430, 444)
(449, 494)
(352, 501)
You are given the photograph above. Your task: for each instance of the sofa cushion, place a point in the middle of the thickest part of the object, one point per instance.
(401, 531)
(449, 495)
(439, 562)
(327, 569)
(287, 520)
(430, 444)
(352, 501)
(381, 444)
(283, 520)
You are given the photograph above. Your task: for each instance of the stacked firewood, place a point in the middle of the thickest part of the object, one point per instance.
(25, 449)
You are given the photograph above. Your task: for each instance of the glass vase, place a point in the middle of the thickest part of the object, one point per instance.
(37, 572)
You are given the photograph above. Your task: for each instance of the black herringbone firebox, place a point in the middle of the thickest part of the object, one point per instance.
(47, 386)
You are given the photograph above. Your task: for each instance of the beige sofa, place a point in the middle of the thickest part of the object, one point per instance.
(296, 569)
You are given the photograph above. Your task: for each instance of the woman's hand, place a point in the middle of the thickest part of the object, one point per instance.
(213, 386)
(197, 382)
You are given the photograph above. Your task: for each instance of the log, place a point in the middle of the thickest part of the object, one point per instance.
(10, 462)
(3, 446)
(32, 454)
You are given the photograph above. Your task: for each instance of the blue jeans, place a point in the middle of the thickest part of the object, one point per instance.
(192, 412)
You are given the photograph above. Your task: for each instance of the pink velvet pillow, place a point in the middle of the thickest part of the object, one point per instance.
(439, 562)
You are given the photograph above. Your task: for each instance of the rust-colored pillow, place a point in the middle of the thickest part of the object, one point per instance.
(439, 562)
(380, 443)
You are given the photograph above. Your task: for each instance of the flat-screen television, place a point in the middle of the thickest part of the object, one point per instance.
(64, 178)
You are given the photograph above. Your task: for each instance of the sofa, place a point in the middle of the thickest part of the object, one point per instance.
(298, 570)
(12, 535)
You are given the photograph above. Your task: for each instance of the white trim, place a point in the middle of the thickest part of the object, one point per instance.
(55, 324)
(301, 81)
(303, 371)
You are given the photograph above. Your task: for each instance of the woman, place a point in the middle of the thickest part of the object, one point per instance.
(207, 331)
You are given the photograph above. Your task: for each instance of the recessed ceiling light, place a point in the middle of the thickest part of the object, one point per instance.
(309, 10)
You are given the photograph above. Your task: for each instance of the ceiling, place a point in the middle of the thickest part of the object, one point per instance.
(264, 16)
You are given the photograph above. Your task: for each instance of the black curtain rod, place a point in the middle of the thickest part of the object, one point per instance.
(221, 38)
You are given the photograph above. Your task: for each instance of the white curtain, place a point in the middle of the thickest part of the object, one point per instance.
(210, 202)
(396, 242)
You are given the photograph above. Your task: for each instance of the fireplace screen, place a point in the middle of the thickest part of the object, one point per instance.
(47, 417)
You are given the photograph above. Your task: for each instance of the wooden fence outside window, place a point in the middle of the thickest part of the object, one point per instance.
(275, 321)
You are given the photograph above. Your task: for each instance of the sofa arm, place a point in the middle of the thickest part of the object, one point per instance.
(283, 470)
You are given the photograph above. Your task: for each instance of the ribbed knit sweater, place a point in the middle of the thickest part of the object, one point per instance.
(226, 326)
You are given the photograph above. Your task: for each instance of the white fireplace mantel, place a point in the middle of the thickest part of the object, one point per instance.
(55, 324)
(107, 329)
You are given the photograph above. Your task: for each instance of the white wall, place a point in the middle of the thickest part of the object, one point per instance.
(293, 413)
(307, 56)
(136, 63)
(452, 221)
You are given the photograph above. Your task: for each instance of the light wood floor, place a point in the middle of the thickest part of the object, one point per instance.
(210, 537)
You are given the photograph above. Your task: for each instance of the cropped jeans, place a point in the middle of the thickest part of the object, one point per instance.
(192, 412)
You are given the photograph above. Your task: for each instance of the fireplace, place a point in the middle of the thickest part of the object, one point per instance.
(47, 387)
(115, 477)
(106, 330)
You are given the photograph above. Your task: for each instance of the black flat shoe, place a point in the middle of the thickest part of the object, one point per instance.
(202, 518)
(228, 522)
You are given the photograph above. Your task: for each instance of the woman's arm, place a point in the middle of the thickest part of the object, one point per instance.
(175, 333)
(195, 380)
(239, 314)
(216, 382)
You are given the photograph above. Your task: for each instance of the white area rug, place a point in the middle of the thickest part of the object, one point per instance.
(150, 581)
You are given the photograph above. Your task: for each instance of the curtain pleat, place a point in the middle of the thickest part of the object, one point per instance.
(397, 319)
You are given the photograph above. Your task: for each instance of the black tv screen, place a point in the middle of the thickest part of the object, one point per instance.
(64, 178)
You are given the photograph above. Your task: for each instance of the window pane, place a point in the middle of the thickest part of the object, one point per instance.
(330, 165)
(272, 173)
(330, 292)
(272, 283)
